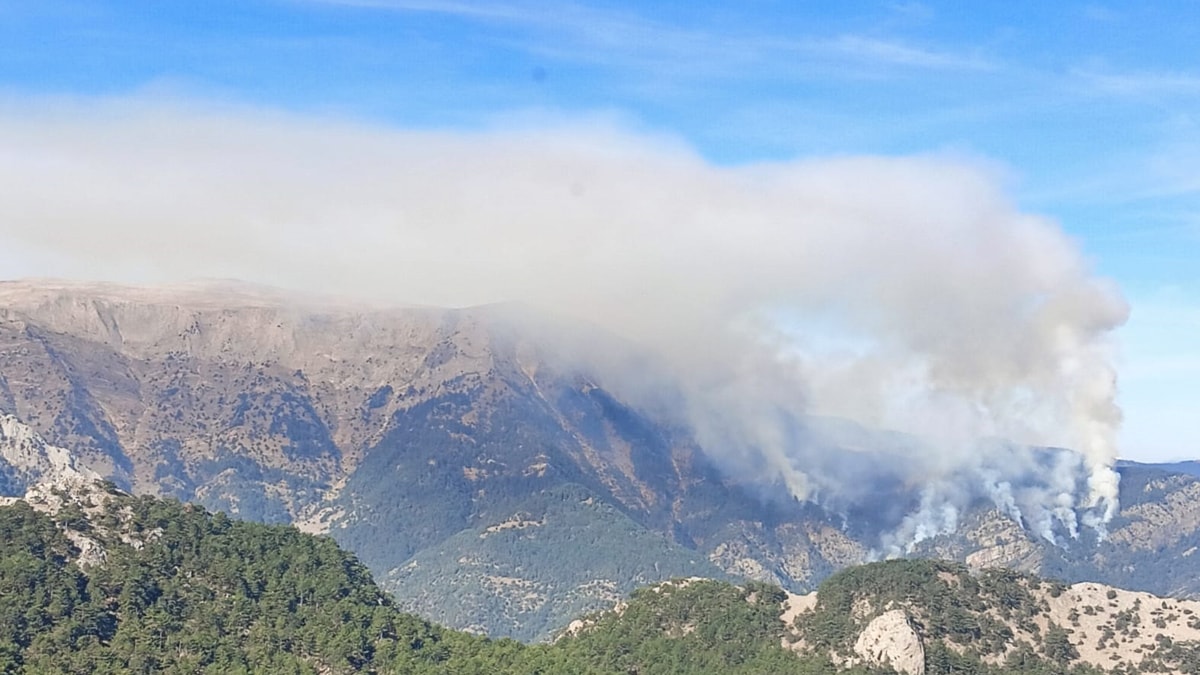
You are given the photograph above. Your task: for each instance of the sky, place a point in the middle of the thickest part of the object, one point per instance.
(1086, 114)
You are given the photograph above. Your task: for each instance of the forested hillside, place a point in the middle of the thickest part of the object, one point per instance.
(93, 580)
(104, 582)
(176, 589)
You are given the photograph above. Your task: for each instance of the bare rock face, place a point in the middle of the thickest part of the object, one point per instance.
(52, 479)
(27, 459)
(890, 640)
(1001, 542)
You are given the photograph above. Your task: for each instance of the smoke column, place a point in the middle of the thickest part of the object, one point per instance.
(907, 293)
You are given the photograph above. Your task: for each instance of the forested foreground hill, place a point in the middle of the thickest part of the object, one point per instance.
(97, 581)
(93, 580)
(931, 616)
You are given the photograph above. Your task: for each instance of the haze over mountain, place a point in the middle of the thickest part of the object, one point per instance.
(906, 293)
(492, 466)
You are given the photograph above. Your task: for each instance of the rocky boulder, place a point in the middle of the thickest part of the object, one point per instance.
(889, 639)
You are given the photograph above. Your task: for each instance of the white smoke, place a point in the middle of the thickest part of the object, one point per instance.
(1044, 490)
(937, 514)
(907, 293)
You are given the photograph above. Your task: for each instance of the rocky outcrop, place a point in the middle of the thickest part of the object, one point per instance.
(889, 639)
(50, 478)
(999, 541)
(26, 459)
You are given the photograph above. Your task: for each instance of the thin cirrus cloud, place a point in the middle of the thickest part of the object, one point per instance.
(577, 32)
(899, 54)
(1139, 84)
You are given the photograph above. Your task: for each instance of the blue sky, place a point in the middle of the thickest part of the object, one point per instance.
(1090, 110)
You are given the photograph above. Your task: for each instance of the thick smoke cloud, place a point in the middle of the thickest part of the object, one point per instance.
(907, 293)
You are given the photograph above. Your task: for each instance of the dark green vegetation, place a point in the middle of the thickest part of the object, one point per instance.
(187, 591)
(501, 519)
(563, 553)
(695, 626)
(955, 602)
(179, 590)
(947, 604)
(182, 591)
(406, 434)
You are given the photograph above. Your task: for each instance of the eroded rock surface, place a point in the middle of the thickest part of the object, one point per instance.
(889, 639)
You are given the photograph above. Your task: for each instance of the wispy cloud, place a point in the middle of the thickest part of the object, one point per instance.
(1134, 84)
(1158, 227)
(567, 19)
(474, 10)
(581, 32)
(900, 54)
(911, 9)
(1101, 13)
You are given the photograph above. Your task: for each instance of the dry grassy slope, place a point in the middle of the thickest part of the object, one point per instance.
(1154, 524)
(174, 379)
(1109, 628)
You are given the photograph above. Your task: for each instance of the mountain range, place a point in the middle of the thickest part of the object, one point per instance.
(474, 459)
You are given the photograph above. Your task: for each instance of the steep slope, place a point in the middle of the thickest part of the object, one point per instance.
(1150, 545)
(407, 433)
(563, 553)
(393, 430)
(26, 459)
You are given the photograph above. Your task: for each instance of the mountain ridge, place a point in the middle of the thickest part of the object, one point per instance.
(413, 430)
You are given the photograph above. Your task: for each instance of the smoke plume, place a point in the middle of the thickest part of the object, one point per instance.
(906, 293)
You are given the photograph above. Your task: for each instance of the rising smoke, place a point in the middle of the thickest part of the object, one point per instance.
(907, 293)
